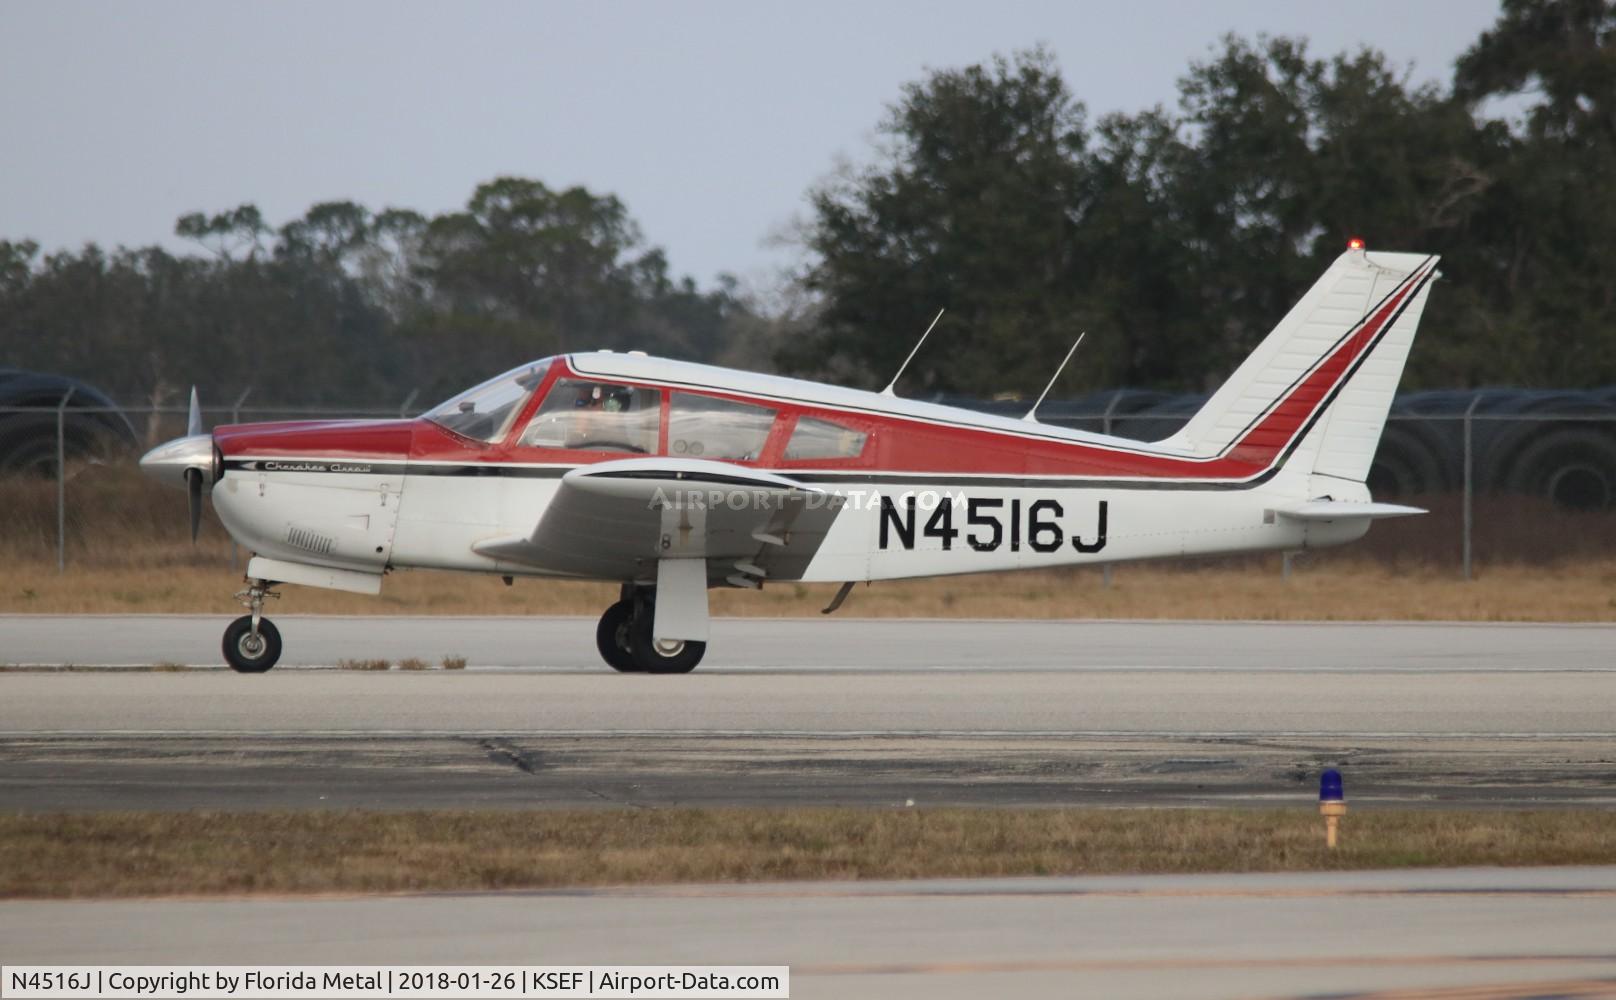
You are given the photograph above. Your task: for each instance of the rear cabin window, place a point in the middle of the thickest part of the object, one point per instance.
(818, 439)
(707, 427)
(596, 416)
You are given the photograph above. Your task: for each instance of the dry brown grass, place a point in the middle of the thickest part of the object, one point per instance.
(346, 664)
(1334, 589)
(128, 553)
(145, 854)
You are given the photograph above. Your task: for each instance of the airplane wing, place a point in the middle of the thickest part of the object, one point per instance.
(620, 519)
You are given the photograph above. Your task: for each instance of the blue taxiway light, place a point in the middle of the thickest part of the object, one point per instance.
(1330, 786)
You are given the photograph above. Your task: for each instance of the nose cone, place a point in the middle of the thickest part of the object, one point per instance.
(167, 462)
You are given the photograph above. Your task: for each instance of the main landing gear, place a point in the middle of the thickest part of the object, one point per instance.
(252, 643)
(626, 644)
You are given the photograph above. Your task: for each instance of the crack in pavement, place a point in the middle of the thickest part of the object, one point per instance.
(503, 751)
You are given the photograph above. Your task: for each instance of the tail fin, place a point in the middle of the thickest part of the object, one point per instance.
(1315, 393)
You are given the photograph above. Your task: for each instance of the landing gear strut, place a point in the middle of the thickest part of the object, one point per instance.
(627, 645)
(252, 643)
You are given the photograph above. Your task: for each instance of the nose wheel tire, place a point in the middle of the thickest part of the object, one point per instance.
(248, 652)
(612, 637)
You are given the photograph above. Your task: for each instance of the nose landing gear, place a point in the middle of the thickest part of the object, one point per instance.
(252, 643)
(626, 644)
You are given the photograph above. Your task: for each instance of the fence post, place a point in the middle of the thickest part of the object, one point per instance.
(1469, 479)
(404, 407)
(235, 408)
(1105, 426)
(61, 481)
(1105, 419)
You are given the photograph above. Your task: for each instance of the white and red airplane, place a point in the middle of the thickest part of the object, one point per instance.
(672, 478)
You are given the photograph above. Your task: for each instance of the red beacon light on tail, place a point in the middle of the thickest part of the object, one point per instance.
(1356, 243)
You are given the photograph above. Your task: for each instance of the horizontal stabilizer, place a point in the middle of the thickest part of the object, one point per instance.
(1345, 510)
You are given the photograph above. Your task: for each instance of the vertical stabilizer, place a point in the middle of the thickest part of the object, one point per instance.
(1316, 391)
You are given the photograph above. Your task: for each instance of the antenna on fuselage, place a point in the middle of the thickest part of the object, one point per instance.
(1031, 413)
(888, 390)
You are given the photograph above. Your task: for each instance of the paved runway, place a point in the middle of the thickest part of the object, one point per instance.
(835, 643)
(819, 711)
(1481, 933)
(859, 712)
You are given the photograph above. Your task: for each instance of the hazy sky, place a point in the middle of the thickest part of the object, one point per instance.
(709, 120)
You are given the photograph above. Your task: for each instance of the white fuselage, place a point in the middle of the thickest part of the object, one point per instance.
(367, 522)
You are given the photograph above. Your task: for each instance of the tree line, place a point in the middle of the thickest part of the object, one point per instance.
(1175, 236)
(346, 304)
(1178, 237)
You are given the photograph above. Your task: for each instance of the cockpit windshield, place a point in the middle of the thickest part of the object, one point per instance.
(486, 411)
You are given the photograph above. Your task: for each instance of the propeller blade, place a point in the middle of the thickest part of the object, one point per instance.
(193, 494)
(193, 422)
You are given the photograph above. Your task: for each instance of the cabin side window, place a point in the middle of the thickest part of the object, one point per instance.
(822, 439)
(596, 416)
(708, 427)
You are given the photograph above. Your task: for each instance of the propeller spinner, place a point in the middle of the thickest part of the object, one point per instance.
(186, 460)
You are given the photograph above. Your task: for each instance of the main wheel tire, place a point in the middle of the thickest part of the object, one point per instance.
(248, 653)
(612, 637)
(671, 657)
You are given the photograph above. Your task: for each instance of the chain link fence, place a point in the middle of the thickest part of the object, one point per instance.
(1504, 483)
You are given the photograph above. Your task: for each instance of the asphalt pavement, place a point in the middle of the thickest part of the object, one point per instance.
(1466, 933)
(837, 643)
(812, 712)
(874, 713)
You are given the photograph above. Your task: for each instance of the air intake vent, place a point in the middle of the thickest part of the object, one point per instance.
(309, 541)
